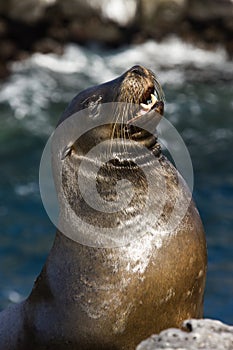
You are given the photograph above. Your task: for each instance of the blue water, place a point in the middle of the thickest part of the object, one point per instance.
(198, 88)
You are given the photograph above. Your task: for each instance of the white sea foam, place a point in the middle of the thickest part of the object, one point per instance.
(169, 57)
(48, 78)
(27, 189)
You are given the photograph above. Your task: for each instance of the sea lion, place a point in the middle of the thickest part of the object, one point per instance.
(91, 297)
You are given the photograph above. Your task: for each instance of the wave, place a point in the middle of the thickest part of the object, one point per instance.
(170, 54)
(41, 86)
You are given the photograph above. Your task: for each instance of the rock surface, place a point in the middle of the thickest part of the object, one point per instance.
(204, 334)
(45, 26)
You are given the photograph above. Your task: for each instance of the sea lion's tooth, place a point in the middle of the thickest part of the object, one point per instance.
(153, 99)
(146, 107)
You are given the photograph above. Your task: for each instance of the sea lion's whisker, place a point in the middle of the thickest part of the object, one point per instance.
(115, 117)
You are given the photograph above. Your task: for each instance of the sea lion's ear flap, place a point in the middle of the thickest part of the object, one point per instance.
(66, 151)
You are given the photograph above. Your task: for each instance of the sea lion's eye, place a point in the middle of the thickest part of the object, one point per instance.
(94, 106)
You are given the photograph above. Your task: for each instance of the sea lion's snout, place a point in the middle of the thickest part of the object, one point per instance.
(141, 86)
(144, 98)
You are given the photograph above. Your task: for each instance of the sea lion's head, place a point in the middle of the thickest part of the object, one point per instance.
(137, 105)
(105, 150)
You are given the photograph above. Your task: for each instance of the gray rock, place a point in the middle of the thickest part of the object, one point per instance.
(210, 9)
(162, 14)
(204, 334)
(121, 12)
(25, 10)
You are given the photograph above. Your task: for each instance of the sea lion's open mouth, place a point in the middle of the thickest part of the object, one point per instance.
(141, 127)
(151, 104)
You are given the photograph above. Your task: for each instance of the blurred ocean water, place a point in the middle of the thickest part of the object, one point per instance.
(198, 89)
